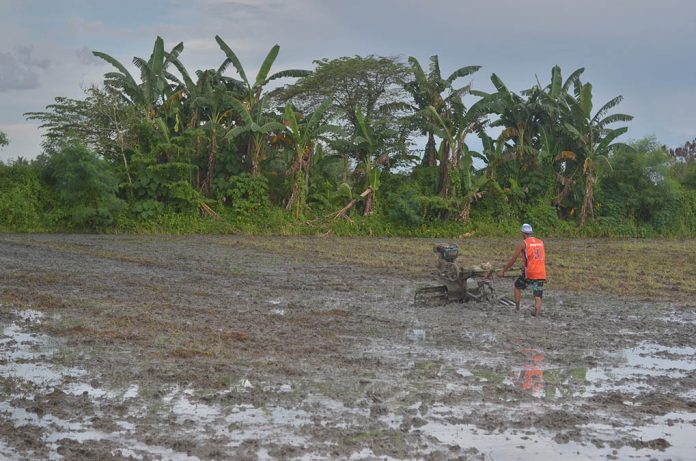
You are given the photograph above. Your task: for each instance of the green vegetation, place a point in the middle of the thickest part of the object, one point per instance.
(357, 146)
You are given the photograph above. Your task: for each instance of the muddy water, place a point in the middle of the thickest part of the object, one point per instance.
(206, 348)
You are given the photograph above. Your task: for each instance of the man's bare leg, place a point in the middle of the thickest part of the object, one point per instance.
(518, 297)
(537, 305)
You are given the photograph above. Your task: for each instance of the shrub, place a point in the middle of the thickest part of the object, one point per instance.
(21, 196)
(542, 216)
(169, 183)
(84, 185)
(247, 195)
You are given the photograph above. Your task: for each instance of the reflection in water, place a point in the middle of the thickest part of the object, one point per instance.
(541, 381)
(531, 377)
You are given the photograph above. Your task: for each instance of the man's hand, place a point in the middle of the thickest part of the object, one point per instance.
(500, 273)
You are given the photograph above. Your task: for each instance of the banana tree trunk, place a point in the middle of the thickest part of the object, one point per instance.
(342, 213)
(125, 165)
(465, 213)
(369, 205)
(211, 161)
(298, 173)
(430, 157)
(445, 180)
(309, 164)
(294, 199)
(567, 184)
(587, 201)
(198, 154)
(255, 161)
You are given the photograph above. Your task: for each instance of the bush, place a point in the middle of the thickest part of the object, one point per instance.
(84, 186)
(682, 221)
(20, 198)
(406, 209)
(168, 183)
(639, 188)
(247, 196)
(146, 209)
(542, 216)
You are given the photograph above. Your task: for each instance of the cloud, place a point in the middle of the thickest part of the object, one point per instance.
(19, 70)
(25, 141)
(81, 25)
(85, 56)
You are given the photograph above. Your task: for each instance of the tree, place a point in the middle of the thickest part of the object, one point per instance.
(521, 113)
(639, 187)
(154, 87)
(304, 136)
(3, 139)
(216, 104)
(102, 121)
(193, 117)
(521, 117)
(456, 159)
(250, 94)
(555, 147)
(594, 139)
(257, 126)
(426, 91)
(370, 165)
(534, 151)
(372, 86)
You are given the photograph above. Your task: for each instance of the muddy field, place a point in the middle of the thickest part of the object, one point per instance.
(187, 348)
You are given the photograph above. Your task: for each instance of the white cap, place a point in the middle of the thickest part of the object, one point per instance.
(526, 228)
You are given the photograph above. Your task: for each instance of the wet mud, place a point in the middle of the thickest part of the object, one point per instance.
(212, 348)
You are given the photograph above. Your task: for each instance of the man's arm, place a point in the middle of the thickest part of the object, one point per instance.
(515, 255)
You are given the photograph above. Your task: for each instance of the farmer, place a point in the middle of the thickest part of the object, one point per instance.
(534, 271)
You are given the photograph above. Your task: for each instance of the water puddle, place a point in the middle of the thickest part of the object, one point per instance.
(673, 361)
(669, 436)
(416, 334)
(24, 354)
(666, 437)
(628, 374)
(636, 365)
(23, 357)
(182, 413)
(179, 412)
(541, 379)
(681, 316)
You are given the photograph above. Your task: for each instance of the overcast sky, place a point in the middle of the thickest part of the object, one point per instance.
(641, 49)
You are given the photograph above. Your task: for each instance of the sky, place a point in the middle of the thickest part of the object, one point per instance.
(640, 49)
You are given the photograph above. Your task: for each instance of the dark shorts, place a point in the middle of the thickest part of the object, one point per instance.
(537, 285)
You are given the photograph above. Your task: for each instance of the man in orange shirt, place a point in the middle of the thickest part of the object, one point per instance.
(534, 271)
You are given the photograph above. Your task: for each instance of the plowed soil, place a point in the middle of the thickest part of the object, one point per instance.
(214, 348)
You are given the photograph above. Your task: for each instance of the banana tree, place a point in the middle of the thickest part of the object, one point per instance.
(257, 126)
(370, 161)
(304, 138)
(478, 186)
(215, 104)
(154, 86)
(427, 91)
(555, 145)
(594, 139)
(455, 157)
(250, 94)
(522, 114)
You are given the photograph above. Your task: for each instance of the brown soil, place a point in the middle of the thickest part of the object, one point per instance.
(202, 347)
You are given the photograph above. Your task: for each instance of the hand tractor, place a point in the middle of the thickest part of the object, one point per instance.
(460, 283)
